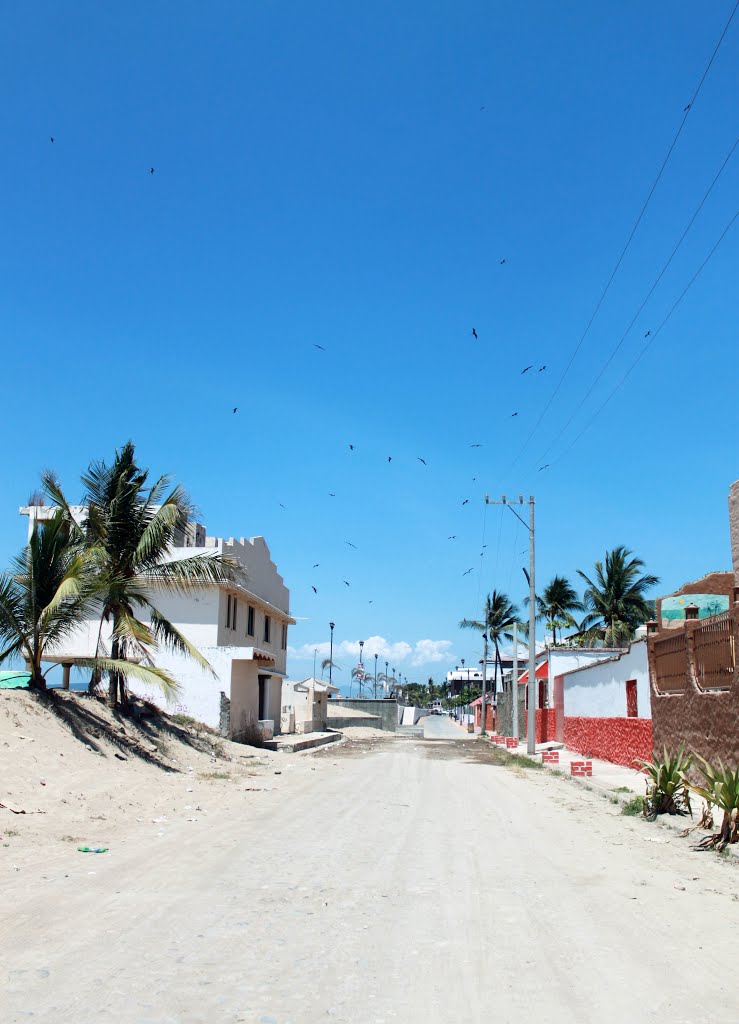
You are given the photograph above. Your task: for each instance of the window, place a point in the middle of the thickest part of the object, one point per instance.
(250, 621)
(234, 606)
(228, 613)
(631, 699)
(267, 628)
(284, 636)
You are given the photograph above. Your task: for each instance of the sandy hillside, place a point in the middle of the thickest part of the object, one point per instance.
(83, 774)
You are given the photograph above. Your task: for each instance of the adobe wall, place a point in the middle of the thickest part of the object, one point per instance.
(720, 583)
(708, 723)
(734, 528)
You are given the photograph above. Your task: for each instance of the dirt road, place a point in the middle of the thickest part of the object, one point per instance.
(397, 880)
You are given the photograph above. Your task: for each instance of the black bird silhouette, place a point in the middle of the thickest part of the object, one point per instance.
(281, 505)
(482, 108)
(465, 501)
(350, 544)
(475, 446)
(331, 495)
(647, 334)
(421, 460)
(316, 565)
(544, 467)
(370, 602)
(514, 414)
(542, 368)
(151, 170)
(345, 583)
(389, 458)
(527, 369)
(313, 589)
(319, 346)
(51, 137)
(468, 572)
(504, 260)
(452, 537)
(351, 447)
(474, 333)
(686, 109)
(236, 408)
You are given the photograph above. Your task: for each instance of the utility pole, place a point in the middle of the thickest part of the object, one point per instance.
(484, 682)
(331, 654)
(514, 686)
(531, 730)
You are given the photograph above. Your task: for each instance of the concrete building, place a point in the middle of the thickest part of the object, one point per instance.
(305, 704)
(241, 629)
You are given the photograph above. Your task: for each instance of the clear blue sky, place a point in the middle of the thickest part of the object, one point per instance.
(325, 175)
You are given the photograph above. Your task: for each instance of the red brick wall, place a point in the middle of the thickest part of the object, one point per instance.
(620, 740)
(544, 724)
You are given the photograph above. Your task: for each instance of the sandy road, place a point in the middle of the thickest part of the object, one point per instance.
(397, 881)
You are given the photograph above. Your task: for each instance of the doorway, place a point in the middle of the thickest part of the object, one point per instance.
(263, 697)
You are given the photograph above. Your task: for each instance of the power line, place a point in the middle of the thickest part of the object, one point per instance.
(677, 302)
(686, 114)
(643, 304)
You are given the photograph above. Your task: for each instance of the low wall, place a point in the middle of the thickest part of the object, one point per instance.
(386, 711)
(408, 715)
(504, 714)
(619, 740)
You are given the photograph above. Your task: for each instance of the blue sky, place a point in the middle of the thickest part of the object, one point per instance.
(325, 175)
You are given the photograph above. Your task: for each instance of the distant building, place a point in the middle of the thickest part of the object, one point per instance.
(241, 629)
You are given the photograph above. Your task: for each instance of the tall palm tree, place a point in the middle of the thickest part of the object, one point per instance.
(615, 597)
(127, 533)
(326, 663)
(45, 597)
(500, 617)
(556, 605)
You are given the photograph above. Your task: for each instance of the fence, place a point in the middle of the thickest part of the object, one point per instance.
(671, 663)
(714, 648)
(702, 652)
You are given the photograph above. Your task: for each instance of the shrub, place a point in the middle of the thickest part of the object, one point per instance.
(721, 788)
(635, 806)
(668, 792)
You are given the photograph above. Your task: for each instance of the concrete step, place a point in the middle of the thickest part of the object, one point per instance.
(415, 731)
(290, 744)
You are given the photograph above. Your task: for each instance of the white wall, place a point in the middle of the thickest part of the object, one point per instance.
(599, 691)
(563, 660)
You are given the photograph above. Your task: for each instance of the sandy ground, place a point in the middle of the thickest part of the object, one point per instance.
(370, 882)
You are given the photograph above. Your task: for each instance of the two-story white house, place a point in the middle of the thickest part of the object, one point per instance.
(240, 628)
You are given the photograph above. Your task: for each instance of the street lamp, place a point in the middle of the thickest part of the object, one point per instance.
(331, 653)
(374, 688)
(361, 645)
(315, 654)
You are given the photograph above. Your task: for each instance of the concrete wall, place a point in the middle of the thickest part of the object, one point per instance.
(409, 715)
(599, 690)
(734, 528)
(504, 714)
(385, 710)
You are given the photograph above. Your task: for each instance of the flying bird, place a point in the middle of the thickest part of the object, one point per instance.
(514, 414)
(151, 170)
(350, 544)
(468, 572)
(474, 333)
(331, 495)
(51, 137)
(236, 408)
(542, 368)
(422, 460)
(465, 501)
(313, 589)
(316, 565)
(370, 602)
(685, 109)
(389, 458)
(281, 505)
(346, 584)
(544, 467)
(319, 346)
(452, 537)
(504, 260)
(482, 108)
(351, 447)
(527, 369)
(647, 334)
(475, 446)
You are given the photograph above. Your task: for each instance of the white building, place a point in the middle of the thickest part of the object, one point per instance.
(615, 687)
(240, 629)
(306, 701)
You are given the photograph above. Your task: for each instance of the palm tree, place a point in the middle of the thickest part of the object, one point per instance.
(360, 674)
(500, 617)
(129, 529)
(49, 591)
(556, 605)
(325, 664)
(615, 598)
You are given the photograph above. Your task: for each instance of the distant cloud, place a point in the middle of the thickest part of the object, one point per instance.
(422, 652)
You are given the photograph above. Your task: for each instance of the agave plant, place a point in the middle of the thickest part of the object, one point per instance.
(721, 788)
(667, 786)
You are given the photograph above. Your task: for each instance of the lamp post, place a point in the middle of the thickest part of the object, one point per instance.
(331, 653)
(386, 665)
(484, 682)
(315, 653)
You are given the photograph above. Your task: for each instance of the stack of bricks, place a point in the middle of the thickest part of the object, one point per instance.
(580, 769)
(511, 742)
(550, 757)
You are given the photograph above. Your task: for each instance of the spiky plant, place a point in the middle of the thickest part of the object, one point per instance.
(667, 792)
(720, 788)
(128, 531)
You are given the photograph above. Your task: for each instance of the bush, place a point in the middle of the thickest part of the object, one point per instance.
(635, 806)
(668, 792)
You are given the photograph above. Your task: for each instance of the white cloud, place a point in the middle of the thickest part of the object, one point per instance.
(346, 652)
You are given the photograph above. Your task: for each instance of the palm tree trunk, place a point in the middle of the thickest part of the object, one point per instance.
(113, 681)
(498, 668)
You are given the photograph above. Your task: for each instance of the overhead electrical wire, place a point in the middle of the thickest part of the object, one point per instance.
(583, 336)
(650, 340)
(646, 299)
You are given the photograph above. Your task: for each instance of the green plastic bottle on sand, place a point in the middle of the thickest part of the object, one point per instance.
(93, 849)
